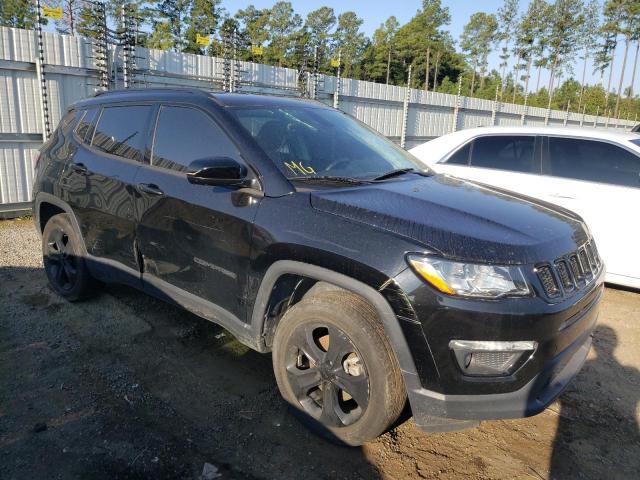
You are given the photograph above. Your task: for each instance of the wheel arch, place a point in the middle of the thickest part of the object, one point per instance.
(302, 277)
(46, 206)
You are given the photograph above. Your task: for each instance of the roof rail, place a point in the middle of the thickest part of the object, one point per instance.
(151, 89)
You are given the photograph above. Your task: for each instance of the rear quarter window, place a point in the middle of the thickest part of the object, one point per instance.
(85, 128)
(461, 156)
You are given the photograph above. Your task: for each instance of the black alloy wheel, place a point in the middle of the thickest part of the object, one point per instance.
(335, 366)
(64, 262)
(60, 261)
(327, 374)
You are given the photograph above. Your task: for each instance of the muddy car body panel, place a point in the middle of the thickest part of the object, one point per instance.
(241, 256)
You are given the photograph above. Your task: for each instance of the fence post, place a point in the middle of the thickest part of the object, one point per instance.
(314, 78)
(125, 48)
(595, 122)
(494, 110)
(456, 109)
(336, 94)
(42, 81)
(606, 123)
(566, 116)
(584, 109)
(405, 110)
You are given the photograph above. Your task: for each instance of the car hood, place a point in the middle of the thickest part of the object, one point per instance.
(460, 219)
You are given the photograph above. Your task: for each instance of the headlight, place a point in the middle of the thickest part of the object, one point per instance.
(470, 279)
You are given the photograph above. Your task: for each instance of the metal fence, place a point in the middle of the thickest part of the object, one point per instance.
(39, 83)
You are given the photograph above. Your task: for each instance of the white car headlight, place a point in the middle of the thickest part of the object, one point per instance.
(470, 279)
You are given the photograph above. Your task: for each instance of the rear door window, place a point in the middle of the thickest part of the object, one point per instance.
(185, 134)
(593, 161)
(121, 131)
(513, 153)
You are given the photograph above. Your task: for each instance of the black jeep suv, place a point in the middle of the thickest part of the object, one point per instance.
(304, 233)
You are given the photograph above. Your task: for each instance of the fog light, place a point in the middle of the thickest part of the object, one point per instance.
(495, 359)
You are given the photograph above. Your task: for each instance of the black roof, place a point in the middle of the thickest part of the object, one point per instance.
(221, 99)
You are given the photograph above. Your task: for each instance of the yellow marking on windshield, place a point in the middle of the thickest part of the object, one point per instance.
(298, 168)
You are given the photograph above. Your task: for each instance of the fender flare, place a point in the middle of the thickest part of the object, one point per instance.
(44, 197)
(388, 318)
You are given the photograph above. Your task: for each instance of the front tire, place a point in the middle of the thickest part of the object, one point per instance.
(335, 366)
(63, 260)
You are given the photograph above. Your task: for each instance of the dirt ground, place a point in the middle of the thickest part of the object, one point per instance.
(125, 386)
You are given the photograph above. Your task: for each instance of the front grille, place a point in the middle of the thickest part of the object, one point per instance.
(570, 272)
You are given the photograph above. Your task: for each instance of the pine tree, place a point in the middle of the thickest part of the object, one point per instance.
(477, 37)
(18, 14)
(348, 42)
(507, 20)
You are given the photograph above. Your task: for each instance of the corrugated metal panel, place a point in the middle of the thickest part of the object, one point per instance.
(19, 97)
(16, 171)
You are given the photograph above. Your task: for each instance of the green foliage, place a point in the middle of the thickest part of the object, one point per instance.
(475, 41)
(18, 14)
(348, 43)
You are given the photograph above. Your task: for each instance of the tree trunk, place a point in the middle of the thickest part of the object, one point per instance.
(608, 92)
(473, 77)
(516, 71)
(552, 74)
(633, 74)
(584, 73)
(388, 63)
(426, 71)
(71, 20)
(538, 81)
(526, 81)
(620, 83)
(435, 73)
(504, 66)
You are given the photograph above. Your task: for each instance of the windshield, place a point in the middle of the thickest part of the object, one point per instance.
(637, 142)
(312, 142)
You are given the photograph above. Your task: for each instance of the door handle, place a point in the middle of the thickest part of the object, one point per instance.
(80, 168)
(150, 188)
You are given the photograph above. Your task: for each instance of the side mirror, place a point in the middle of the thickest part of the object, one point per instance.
(222, 171)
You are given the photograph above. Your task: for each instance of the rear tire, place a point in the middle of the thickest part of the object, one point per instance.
(334, 365)
(64, 262)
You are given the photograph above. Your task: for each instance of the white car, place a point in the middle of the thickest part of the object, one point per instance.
(595, 173)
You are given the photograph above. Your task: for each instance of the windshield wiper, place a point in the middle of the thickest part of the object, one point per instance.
(328, 179)
(400, 171)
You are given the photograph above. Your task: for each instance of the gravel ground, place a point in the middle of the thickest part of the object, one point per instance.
(125, 386)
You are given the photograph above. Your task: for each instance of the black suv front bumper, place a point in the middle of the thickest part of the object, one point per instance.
(443, 399)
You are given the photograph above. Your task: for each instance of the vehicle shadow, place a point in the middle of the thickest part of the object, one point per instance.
(596, 429)
(129, 386)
